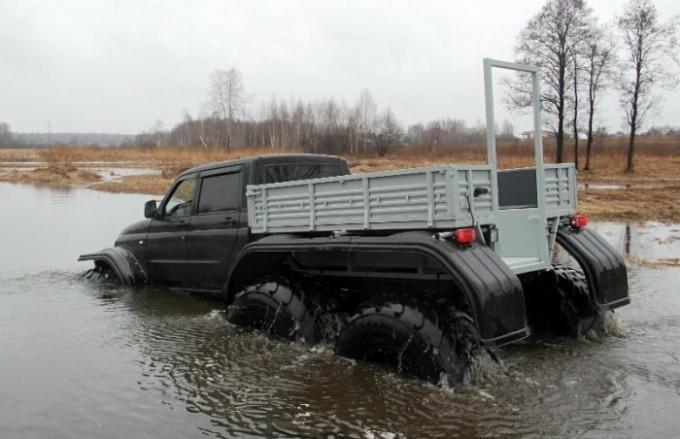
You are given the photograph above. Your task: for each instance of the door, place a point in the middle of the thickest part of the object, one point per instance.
(519, 196)
(214, 228)
(166, 241)
(522, 225)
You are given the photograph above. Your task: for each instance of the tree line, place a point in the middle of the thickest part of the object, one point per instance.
(324, 126)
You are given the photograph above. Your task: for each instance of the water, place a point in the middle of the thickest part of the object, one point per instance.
(615, 186)
(80, 361)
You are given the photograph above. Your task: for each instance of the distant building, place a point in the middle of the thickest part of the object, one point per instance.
(528, 135)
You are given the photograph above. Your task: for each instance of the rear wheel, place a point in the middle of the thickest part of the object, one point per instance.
(560, 302)
(579, 316)
(277, 307)
(412, 337)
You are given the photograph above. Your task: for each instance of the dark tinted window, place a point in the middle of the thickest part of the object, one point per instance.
(517, 189)
(299, 171)
(220, 192)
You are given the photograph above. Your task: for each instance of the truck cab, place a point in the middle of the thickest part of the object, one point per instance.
(190, 236)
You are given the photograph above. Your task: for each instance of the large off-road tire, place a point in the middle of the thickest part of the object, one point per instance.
(577, 312)
(276, 306)
(410, 336)
(558, 300)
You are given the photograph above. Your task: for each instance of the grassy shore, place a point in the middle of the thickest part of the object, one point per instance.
(653, 192)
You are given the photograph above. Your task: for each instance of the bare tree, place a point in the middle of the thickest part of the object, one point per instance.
(650, 46)
(367, 110)
(578, 78)
(575, 103)
(158, 133)
(549, 41)
(274, 123)
(297, 121)
(507, 131)
(227, 98)
(388, 133)
(600, 57)
(5, 135)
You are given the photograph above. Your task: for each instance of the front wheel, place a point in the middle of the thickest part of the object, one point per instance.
(410, 336)
(276, 306)
(102, 273)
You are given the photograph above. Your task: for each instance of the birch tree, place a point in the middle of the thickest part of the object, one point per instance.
(367, 114)
(5, 135)
(227, 99)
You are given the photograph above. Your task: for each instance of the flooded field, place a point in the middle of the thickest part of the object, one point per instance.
(106, 173)
(80, 361)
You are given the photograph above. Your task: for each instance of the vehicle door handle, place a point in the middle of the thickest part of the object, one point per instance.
(229, 221)
(183, 223)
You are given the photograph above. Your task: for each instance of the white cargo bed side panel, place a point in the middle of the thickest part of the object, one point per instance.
(560, 190)
(480, 180)
(403, 199)
(421, 198)
(338, 204)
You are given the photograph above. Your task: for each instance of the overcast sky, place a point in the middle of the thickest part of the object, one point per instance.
(119, 66)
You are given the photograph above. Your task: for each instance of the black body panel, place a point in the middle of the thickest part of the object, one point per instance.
(166, 250)
(604, 268)
(493, 291)
(215, 224)
(127, 268)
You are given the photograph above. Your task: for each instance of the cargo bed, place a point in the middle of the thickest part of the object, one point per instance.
(438, 197)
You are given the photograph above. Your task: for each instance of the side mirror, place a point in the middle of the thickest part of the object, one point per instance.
(150, 209)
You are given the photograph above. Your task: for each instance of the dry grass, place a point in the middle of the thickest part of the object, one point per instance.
(136, 184)
(658, 161)
(18, 155)
(659, 263)
(138, 157)
(608, 158)
(632, 204)
(54, 177)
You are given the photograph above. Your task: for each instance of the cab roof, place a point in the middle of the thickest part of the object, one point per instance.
(257, 163)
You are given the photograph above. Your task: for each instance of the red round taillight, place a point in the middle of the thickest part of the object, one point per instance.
(466, 235)
(578, 221)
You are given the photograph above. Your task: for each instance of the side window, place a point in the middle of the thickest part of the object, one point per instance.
(220, 192)
(181, 199)
(299, 171)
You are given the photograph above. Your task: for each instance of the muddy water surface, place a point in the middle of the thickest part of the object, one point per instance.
(80, 361)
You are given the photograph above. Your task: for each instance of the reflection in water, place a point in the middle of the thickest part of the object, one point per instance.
(79, 360)
(614, 186)
(645, 242)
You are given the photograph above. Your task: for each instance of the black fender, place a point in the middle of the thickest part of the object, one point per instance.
(123, 263)
(603, 266)
(492, 290)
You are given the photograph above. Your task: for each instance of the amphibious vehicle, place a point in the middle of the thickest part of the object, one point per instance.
(416, 268)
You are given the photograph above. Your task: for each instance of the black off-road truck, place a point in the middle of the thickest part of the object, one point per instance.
(417, 268)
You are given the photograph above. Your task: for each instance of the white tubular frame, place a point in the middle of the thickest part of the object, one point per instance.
(489, 64)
